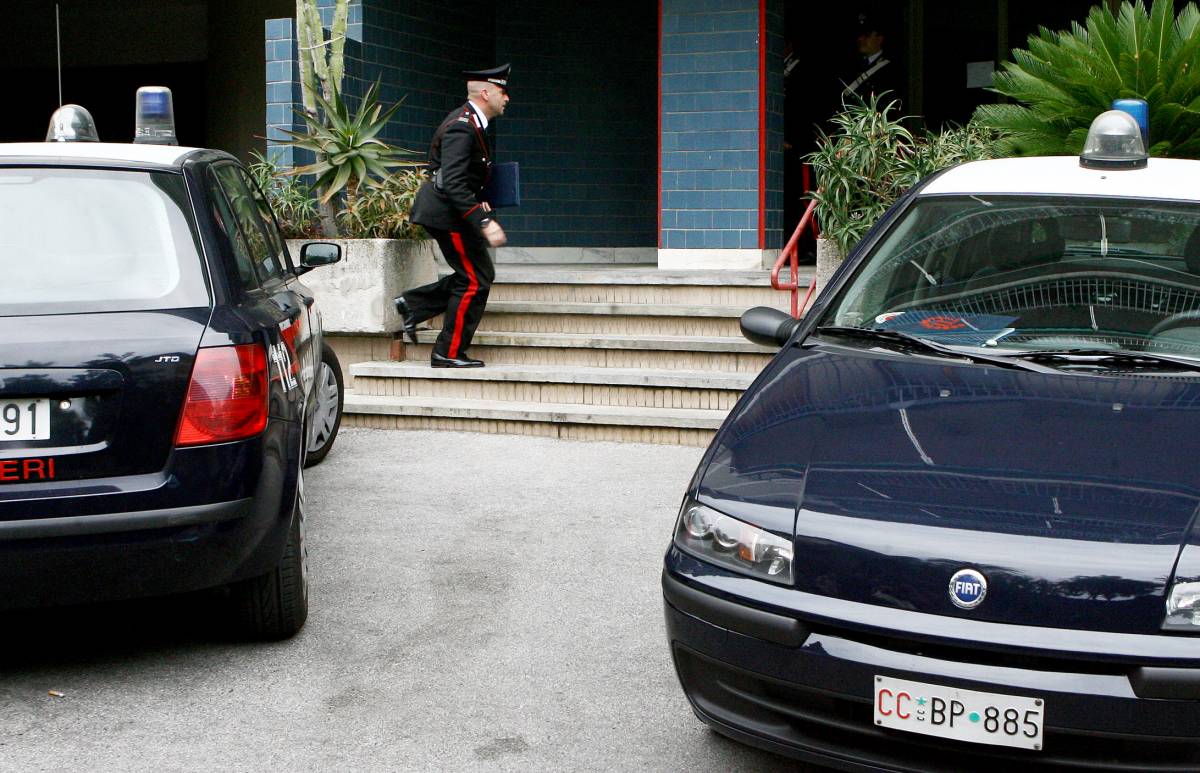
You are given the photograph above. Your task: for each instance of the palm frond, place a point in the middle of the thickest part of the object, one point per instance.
(1064, 79)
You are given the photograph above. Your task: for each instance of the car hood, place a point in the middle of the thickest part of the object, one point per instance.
(1071, 494)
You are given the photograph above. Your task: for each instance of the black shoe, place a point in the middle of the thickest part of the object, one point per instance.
(440, 361)
(406, 317)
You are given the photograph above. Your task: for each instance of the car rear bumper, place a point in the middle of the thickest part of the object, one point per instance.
(109, 523)
(804, 688)
(218, 514)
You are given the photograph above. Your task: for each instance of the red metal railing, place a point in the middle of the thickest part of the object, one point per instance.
(791, 256)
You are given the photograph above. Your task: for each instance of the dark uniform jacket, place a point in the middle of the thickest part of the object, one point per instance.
(881, 78)
(460, 164)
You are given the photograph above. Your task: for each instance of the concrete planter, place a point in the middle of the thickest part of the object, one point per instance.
(355, 295)
(829, 257)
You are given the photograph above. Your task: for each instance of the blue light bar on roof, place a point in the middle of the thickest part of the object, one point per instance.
(154, 122)
(1140, 110)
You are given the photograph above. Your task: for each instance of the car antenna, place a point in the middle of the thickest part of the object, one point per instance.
(58, 51)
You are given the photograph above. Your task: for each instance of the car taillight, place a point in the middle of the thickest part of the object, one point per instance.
(227, 398)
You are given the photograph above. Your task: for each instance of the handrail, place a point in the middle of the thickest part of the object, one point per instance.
(791, 254)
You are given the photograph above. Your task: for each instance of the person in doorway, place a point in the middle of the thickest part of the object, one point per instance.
(874, 74)
(451, 208)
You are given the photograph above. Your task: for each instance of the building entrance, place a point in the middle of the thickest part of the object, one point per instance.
(941, 55)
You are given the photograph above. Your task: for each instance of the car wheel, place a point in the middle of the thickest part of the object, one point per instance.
(275, 605)
(327, 417)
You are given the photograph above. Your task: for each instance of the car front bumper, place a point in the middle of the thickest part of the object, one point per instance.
(801, 684)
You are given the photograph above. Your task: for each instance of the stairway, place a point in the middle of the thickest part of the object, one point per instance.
(599, 353)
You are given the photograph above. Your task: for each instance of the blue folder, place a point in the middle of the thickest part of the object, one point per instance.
(503, 188)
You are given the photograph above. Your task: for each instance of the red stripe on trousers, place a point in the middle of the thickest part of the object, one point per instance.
(472, 288)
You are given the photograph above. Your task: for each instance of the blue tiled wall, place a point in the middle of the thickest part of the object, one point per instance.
(582, 122)
(418, 49)
(283, 77)
(775, 237)
(710, 124)
(283, 87)
(583, 117)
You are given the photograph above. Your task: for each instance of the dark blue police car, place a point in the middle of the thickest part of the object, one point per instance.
(163, 380)
(954, 524)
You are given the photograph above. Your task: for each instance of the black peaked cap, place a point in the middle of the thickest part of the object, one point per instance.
(496, 75)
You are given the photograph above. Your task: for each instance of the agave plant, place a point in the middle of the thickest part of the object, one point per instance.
(1067, 78)
(347, 149)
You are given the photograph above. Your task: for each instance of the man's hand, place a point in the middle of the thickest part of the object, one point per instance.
(494, 234)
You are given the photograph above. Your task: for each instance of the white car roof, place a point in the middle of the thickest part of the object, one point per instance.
(1162, 178)
(166, 155)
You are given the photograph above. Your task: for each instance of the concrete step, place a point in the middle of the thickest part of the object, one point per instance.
(609, 324)
(553, 413)
(728, 344)
(631, 274)
(617, 353)
(691, 379)
(740, 297)
(638, 285)
(583, 385)
(707, 353)
(615, 318)
(614, 309)
(609, 318)
(676, 436)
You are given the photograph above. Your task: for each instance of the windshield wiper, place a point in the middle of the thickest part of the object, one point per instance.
(1123, 356)
(913, 342)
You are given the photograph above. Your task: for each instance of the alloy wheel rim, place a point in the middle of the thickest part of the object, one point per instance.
(325, 416)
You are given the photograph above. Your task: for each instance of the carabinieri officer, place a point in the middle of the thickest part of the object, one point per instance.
(452, 210)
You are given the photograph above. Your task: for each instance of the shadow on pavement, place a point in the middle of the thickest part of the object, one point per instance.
(91, 633)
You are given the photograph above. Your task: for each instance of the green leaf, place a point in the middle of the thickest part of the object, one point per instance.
(339, 181)
(1064, 79)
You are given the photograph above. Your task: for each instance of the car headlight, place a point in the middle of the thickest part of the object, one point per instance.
(733, 544)
(1183, 607)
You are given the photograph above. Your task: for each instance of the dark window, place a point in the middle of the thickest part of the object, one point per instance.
(266, 260)
(226, 224)
(274, 237)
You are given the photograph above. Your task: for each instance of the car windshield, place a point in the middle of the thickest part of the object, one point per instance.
(1018, 274)
(84, 240)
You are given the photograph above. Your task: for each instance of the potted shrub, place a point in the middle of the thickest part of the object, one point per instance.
(383, 253)
(868, 161)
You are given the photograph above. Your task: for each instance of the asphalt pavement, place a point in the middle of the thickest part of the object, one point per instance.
(479, 602)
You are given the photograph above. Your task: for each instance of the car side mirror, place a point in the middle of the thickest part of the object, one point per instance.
(316, 254)
(767, 326)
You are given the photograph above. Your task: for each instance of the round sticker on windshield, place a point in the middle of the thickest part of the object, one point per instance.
(943, 323)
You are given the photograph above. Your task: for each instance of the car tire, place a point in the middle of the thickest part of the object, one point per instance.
(330, 395)
(275, 605)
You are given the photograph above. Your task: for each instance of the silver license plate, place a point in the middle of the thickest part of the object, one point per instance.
(24, 419)
(961, 715)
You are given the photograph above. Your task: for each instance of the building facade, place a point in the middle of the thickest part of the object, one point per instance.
(648, 131)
